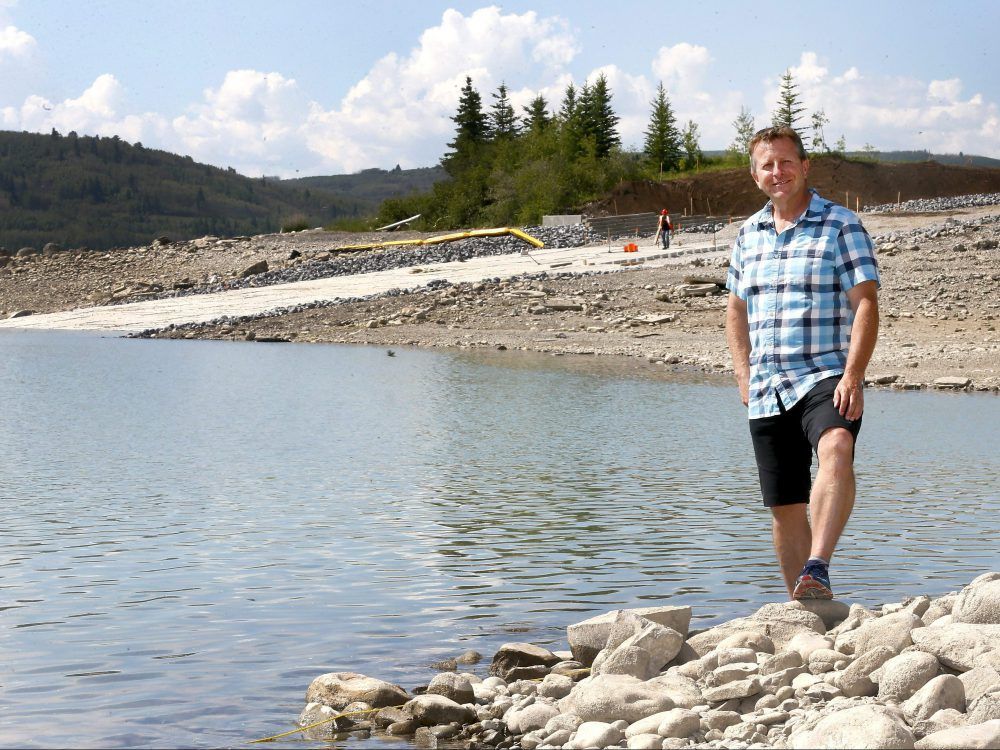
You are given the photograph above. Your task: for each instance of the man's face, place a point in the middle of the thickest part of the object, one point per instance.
(780, 173)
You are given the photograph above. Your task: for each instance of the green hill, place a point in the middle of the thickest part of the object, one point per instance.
(372, 186)
(104, 192)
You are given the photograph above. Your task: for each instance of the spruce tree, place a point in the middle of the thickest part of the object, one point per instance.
(503, 124)
(600, 120)
(819, 119)
(470, 131)
(662, 147)
(536, 116)
(790, 107)
(744, 126)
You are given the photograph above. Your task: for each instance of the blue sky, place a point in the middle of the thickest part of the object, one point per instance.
(305, 87)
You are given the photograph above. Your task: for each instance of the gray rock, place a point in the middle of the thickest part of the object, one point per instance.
(698, 668)
(720, 720)
(903, 675)
(627, 660)
(254, 269)
(806, 643)
(943, 692)
(855, 681)
(454, 686)
(680, 722)
(555, 686)
(985, 708)
(939, 607)
(648, 725)
(643, 742)
(979, 603)
(781, 661)
(890, 631)
(530, 718)
(831, 611)
(593, 734)
(952, 382)
(609, 697)
(338, 689)
(736, 655)
(657, 645)
(511, 656)
(737, 689)
(961, 646)
(979, 682)
(756, 642)
(320, 720)
(867, 726)
(980, 737)
(683, 691)
(825, 660)
(428, 710)
(779, 622)
(947, 718)
(589, 637)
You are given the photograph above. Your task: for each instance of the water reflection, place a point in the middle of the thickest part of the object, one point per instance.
(194, 530)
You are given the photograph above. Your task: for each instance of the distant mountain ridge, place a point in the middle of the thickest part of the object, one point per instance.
(85, 191)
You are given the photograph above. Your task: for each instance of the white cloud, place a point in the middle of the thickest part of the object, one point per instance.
(15, 43)
(681, 67)
(895, 112)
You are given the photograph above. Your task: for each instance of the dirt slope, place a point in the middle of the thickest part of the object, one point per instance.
(732, 192)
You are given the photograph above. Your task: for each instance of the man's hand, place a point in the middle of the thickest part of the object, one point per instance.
(849, 398)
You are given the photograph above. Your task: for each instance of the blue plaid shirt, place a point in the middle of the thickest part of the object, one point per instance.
(795, 285)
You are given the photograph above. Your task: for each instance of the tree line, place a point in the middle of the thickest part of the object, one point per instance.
(506, 167)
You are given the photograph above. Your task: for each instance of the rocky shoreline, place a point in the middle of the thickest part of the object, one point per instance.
(921, 673)
(940, 298)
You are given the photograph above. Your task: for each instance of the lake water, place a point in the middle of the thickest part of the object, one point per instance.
(192, 531)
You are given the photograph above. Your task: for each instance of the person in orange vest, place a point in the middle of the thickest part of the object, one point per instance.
(663, 228)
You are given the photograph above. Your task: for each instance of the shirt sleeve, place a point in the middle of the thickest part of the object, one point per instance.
(734, 277)
(856, 256)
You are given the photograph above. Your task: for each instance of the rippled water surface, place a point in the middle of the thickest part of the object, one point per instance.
(192, 531)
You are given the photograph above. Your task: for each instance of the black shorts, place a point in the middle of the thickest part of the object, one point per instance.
(784, 444)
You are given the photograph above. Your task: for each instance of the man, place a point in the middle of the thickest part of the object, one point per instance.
(803, 270)
(663, 227)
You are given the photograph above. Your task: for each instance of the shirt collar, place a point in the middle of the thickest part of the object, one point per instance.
(765, 217)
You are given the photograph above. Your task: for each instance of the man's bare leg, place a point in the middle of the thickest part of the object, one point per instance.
(832, 496)
(792, 540)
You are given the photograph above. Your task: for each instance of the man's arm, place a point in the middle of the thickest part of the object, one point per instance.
(849, 399)
(738, 338)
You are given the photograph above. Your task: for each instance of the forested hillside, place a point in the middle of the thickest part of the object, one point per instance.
(104, 192)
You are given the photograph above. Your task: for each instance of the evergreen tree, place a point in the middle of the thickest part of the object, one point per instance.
(663, 143)
(568, 109)
(570, 131)
(470, 131)
(599, 120)
(790, 107)
(503, 124)
(692, 148)
(536, 118)
(744, 126)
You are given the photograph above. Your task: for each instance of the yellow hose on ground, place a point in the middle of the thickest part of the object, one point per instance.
(449, 238)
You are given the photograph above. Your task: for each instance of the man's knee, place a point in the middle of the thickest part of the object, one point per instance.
(836, 446)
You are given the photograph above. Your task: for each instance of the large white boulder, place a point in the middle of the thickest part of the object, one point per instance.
(596, 734)
(869, 726)
(339, 689)
(855, 681)
(609, 697)
(943, 692)
(961, 646)
(979, 602)
(979, 737)
(890, 631)
(589, 637)
(903, 675)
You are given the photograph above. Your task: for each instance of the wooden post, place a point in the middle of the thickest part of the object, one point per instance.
(692, 204)
(899, 195)
(857, 204)
(847, 200)
(709, 206)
